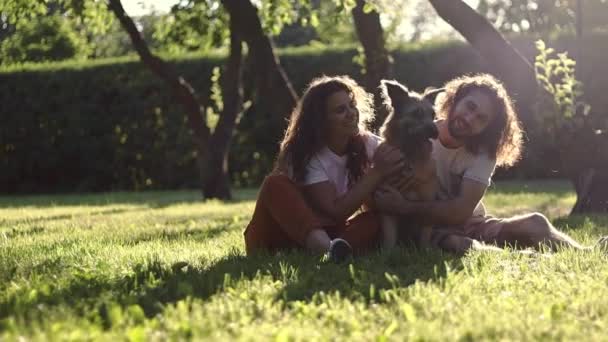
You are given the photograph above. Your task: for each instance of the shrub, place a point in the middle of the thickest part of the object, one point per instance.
(111, 124)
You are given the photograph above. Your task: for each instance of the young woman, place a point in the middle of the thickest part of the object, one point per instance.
(327, 167)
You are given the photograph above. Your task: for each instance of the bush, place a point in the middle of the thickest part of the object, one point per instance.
(111, 124)
(49, 38)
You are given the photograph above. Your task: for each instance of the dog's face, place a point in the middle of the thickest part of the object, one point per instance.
(411, 115)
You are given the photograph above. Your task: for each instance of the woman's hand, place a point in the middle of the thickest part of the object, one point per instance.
(388, 160)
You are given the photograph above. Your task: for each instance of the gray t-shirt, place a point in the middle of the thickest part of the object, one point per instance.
(453, 165)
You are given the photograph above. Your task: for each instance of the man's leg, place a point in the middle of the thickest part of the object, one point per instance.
(456, 242)
(462, 244)
(531, 230)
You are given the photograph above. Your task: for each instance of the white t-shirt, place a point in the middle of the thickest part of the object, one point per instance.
(325, 165)
(453, 165)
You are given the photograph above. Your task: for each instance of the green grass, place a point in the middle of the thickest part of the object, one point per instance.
(164, 265)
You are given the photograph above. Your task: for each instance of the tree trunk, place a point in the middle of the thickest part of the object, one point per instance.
(592, 192)
(217, 184)
(182, 90)
(579, 19)
(510, 66)
(590, 181)
(378, 62)
(579, 39)
(584, 160)
(274, 91)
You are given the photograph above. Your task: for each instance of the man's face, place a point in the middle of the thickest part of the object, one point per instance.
(471, 115)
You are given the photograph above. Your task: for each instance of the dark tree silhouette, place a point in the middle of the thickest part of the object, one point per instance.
(274, 91)
(218, 182)
(211, 149)
(378, 63)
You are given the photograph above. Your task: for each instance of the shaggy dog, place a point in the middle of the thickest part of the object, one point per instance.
(409, 127)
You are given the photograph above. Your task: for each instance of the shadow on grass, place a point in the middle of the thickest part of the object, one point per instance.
(366, 276)
(191, 234)
(66, 216)
(152, 199)
(153, 284)
(596, 223)
(532, 186)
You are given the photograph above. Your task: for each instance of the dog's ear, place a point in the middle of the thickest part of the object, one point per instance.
(431, 94)
(394, 93)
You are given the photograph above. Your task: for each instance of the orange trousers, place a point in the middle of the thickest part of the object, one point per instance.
(282, 219)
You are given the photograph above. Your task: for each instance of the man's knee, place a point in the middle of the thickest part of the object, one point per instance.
(532, 228)
(539, 226)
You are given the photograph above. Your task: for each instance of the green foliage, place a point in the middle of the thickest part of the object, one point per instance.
(556, 74)
(117, 113)
(275, 14)
(193, 26)
(92, 24)
(104, 126)
(200, 25)
(546, 18)
(335, 23)
(115, 41)
(73, 110)
(19, 12)
(94, 16)
(46, 39)
(164, 265)
(55, 29)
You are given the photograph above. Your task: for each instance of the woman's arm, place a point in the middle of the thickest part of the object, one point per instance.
(323, 197)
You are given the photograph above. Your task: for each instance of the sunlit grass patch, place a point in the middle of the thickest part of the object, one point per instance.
(165, 265)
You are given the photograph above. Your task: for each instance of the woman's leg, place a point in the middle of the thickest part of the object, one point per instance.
(362, 232)
(282, 219)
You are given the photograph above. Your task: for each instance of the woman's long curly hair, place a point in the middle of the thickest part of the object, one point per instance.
(305, 134)
(503, 137)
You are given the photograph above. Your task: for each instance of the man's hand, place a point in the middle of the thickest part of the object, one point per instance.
(389, 200)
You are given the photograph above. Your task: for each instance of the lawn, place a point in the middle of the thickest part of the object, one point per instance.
(164, 265)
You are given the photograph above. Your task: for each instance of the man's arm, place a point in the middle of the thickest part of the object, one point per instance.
(447, 212)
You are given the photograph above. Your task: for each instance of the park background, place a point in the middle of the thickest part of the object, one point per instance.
(132, 144)
(81, 112)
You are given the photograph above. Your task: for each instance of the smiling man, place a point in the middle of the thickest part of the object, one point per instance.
(478, 130)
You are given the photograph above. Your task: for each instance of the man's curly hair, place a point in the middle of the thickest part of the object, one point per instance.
(503, 137)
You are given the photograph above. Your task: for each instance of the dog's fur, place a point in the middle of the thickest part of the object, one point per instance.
(409, 126)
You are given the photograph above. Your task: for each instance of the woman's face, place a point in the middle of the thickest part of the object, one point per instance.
(342, 115)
